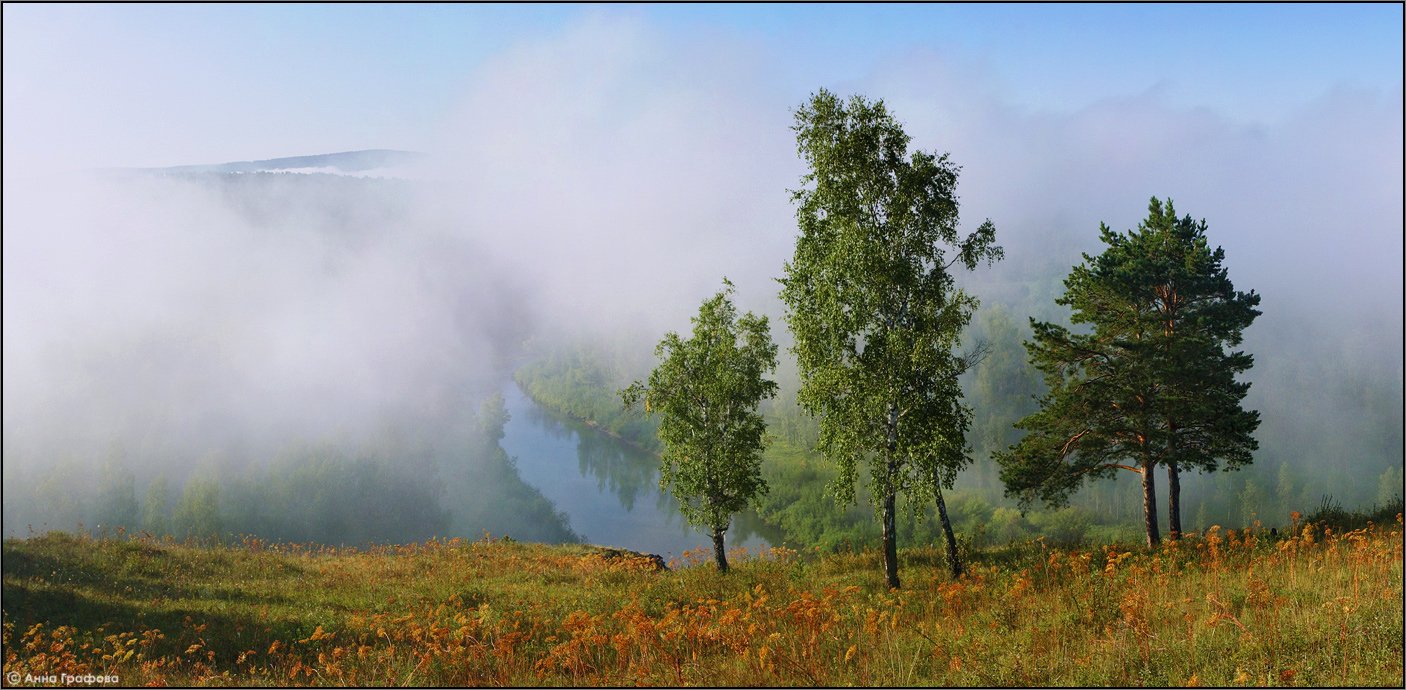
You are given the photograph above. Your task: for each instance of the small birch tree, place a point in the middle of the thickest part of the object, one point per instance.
(705, 391)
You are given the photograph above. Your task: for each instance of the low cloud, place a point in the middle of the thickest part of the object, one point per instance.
(604, 179)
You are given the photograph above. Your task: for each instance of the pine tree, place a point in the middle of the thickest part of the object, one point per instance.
(1153, 381)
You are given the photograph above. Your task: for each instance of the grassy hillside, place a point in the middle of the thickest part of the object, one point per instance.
(1318, 608)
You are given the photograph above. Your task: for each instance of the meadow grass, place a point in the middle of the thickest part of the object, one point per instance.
(1220, 608)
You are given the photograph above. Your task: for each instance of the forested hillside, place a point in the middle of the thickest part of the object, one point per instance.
(582, 379)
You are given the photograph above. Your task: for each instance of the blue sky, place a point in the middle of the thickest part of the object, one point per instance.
(163, 84)
(1248, 59)
(1282, 121)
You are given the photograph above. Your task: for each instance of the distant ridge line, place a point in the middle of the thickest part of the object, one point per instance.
(350, 161)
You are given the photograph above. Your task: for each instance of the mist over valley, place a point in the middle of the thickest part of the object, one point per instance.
(172, 321)
(831, 345)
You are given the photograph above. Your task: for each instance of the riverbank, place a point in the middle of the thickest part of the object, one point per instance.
(595, 427)
(798, 508)
(576, 386)
(607, 489)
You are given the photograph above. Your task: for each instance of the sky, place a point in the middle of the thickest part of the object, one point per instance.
(152, 85)
(605, 166)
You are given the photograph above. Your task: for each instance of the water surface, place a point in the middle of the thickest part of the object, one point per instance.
(609, 490)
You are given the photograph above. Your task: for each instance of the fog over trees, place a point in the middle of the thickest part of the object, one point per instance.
(305, 353)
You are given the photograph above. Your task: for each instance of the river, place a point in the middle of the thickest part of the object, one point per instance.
(608, 489)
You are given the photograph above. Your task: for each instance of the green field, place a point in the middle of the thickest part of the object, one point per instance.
(1322, 607)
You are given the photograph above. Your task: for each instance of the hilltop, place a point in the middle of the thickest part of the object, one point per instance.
(1321, 607)
(365, 163)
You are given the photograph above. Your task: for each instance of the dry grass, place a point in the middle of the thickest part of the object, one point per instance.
(1222, 608)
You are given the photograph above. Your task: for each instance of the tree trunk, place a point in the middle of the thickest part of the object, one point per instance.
(890, 539)
(1173, 501)
(719, 553)
(1149, 503)
(952, 559)
(890, 499)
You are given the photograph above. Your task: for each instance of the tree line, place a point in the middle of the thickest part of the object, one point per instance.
(1145, 380)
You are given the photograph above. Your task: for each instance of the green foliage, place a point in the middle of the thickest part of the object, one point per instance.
(63, 506)
(872, 304)
(705, 392)
(1000, 388)
(579, 380)
(1331, 513)
(1151, 382)
(326, 495)
(154, 508)
(483, 492)
(1067, 526)
(798, 503)
(492, 417)
(1253, 500)
(870, 299)
(116, 503)
(1389, 486)
(386, 490)
(785, 419)
(197, 514)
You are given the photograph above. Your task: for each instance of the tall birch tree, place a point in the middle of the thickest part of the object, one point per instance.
(875, 312)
